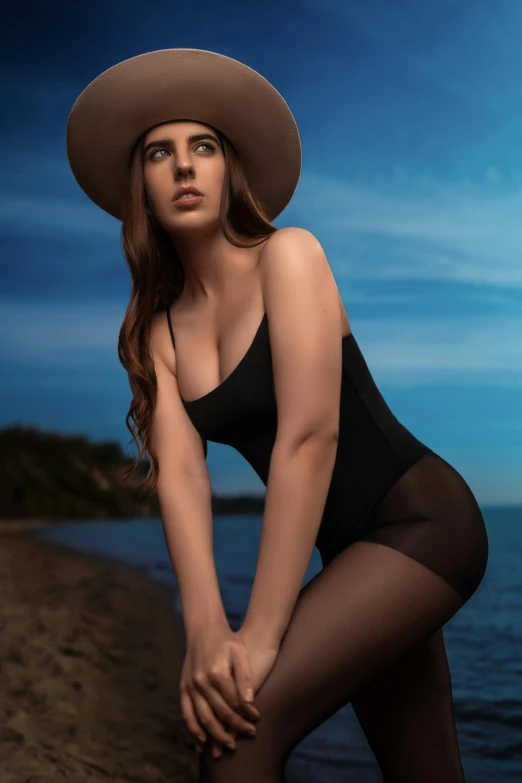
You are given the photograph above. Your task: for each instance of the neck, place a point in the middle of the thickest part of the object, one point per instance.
(211, 264)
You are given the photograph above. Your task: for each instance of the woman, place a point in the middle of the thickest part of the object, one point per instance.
(236, 333)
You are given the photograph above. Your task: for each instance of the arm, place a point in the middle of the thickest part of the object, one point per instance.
(184, 493)
(210, 694)
(296, 493)
(302, 304)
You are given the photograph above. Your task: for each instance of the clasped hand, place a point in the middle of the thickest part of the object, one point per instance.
(219, 669)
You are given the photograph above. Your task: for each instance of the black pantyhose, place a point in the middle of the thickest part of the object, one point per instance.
(367, 630)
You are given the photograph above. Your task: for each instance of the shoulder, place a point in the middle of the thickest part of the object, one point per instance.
(293, 252)
(291, 238)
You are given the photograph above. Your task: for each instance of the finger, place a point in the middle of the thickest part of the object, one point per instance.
(226, 714)
(242, 673)
(224, 683)
(222, 708)
(243, 678)
(190, 717)
(217, 747)
(249, 711)
(209, 720)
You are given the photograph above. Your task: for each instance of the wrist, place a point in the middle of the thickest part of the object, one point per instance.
(260, 636)
(216, 621)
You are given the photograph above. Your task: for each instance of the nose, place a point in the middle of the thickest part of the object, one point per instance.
(184, 167)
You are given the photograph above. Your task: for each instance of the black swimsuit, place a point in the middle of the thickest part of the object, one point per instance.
(386, 485)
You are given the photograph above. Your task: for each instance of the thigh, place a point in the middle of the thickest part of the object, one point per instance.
(407, 716)
(366, 608)
(431, 514)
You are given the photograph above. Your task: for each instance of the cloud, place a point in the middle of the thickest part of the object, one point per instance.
(456, 350)
(455, 231)
(59, 334)
(56, 217)
(400, 351)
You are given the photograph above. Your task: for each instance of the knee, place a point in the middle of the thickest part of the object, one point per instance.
(259, 759)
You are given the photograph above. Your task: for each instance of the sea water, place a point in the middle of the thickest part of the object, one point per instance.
(483, 642)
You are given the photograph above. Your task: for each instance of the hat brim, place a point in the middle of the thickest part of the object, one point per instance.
(169, 84)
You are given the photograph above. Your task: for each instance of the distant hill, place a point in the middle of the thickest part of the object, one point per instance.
(49, 475)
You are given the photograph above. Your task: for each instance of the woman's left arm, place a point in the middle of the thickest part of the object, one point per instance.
(304, 316)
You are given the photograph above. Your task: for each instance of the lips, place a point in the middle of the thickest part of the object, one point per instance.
(191, 191)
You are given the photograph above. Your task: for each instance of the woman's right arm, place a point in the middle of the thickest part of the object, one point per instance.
(208, 689)
(184, 493)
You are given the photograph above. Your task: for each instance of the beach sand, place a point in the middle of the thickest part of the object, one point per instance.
(90, 657)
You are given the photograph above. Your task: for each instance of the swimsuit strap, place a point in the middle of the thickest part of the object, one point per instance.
(170, 326)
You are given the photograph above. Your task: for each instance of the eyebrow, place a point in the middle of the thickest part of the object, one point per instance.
(169, 143)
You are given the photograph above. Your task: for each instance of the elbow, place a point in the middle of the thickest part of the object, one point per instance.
(325, 437)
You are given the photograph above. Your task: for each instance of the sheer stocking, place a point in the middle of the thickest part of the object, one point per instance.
(365, 629)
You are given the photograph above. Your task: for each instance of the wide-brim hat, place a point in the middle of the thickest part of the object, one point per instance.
(182, 84)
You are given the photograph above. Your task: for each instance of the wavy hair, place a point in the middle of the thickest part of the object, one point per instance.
(157, 279)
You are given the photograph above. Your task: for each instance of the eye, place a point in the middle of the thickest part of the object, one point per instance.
(164, 149)
(207, 144)
(152, 154)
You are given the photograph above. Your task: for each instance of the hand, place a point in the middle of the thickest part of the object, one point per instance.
(262, 656)
(210, 695)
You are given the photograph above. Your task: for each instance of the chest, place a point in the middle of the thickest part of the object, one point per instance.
(244, 402)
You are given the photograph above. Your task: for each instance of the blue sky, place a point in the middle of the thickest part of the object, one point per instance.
(410, 117)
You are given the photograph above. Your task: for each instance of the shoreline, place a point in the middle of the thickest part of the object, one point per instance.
(19, 525)
(16, 527)
(91, 656)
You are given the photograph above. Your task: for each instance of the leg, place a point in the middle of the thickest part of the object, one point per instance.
(351, 623)
(407, 717)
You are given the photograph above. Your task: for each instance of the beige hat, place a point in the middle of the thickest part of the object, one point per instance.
(182, 84)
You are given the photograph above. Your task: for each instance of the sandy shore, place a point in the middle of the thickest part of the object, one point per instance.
(90, 657)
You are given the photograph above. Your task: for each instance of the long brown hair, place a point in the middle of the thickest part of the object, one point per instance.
(157, 278)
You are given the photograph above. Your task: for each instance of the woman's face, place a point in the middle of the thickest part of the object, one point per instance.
(173, 158)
